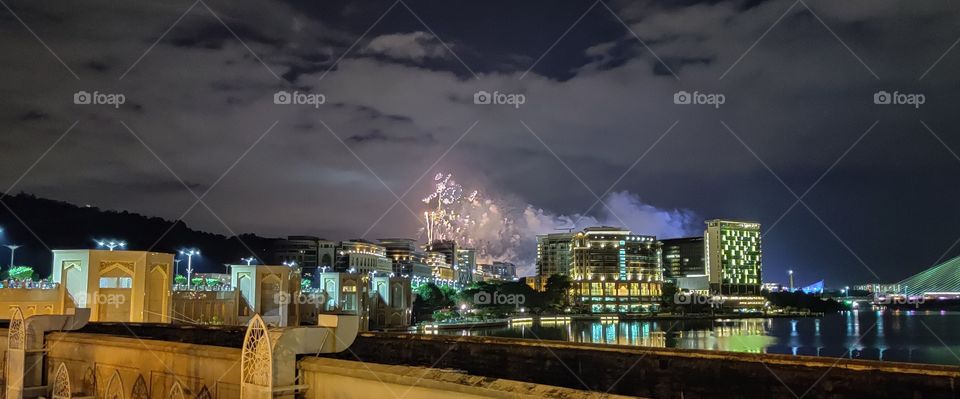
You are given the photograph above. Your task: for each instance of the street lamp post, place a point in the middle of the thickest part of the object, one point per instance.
(791, 280)
(248, 260)
(13, 249)
(176, 270)
(189, 254)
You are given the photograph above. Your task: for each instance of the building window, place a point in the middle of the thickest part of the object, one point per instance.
(116, 282)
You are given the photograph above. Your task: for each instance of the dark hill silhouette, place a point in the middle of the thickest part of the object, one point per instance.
(41, 224)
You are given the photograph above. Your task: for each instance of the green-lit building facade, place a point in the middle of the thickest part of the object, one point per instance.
(733, 257)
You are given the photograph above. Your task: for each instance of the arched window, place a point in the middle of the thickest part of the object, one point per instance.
(177, 392)
(61, 383)
(114, 387)
(140, 390)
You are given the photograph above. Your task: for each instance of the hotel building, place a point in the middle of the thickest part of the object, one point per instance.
(616, 271)
(733, 257)
(360, 256)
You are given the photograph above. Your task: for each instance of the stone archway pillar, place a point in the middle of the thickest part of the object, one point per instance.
(268, 364)
(26, 351)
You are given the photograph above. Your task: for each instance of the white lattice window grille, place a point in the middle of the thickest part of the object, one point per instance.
(61, 383)
(17, 330)
(256, 366)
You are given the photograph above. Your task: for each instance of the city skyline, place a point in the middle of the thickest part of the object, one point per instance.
(577, 199)
(603, 114)
(287, 250)
(528, 268)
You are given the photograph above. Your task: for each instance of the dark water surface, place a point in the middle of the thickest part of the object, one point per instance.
(916, 337)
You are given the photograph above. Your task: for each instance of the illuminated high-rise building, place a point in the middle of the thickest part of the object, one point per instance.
(466, 265)
(407, 259)
(553, 255)
(612, 253)
(614, 270)
(733, 257)
(307, 252)
(361, 256)
(437, 261)
(447, 247)
(504, 271)
(683, 257)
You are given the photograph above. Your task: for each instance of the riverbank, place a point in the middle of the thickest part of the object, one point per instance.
(559, 319)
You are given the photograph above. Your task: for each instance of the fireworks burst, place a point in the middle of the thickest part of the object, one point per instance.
(503, 227)
(450, 216)
(472, 219)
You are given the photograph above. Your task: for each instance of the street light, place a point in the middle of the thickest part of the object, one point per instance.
(189, 254)
(248, 260)
(791, 279)
(177, 267)
(111, 244)
(13, 248)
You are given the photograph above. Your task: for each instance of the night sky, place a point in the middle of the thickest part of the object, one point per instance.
(878, 182)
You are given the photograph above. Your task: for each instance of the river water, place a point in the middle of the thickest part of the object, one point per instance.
(916, 337)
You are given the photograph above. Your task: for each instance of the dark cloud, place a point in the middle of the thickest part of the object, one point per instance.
(32, 115)
(797, 97)
(376, 136)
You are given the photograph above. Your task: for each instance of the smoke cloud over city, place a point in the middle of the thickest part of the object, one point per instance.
(503, 227)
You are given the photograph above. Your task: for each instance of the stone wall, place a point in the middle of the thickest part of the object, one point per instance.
(342, 379)
(100, 365)
(659, 373)
(93, 359)
(206, 307)
(32, 301)
(440, 366)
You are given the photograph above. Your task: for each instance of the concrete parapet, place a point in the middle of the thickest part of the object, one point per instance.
(343, 379)
(658, 373)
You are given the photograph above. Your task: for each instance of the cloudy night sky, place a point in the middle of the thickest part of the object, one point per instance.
(878, 183)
